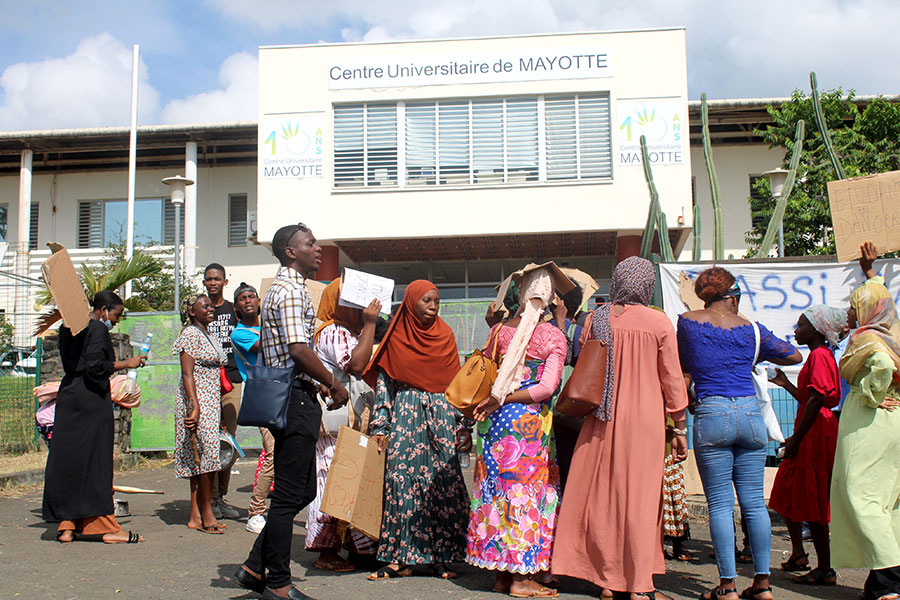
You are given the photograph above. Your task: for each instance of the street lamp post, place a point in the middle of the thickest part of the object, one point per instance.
(777, 177)
(177, 183)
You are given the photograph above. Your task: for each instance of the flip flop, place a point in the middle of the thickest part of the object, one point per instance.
(338, 566)
(541, 592)
(212, 530)
(221, 526)
(133, 538)
(386, 572)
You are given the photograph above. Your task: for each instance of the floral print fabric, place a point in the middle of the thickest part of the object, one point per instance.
(425, 498)
(515, 496)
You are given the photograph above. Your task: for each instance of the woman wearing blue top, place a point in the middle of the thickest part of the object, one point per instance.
(717, 348)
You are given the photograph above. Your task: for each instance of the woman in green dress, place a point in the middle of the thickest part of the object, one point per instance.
(865, 486)
(426, 506)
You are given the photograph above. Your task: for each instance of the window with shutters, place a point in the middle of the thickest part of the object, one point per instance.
(489, 141)
(33, 226)
(102, 222)
(237, 220)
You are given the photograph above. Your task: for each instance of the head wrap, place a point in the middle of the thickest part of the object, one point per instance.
(830, 322)
(411, 353)
(633, 282)
(244, 287)
(331, 311)
(878, 331)
(187, 303)
(536, 293)
(733, 292)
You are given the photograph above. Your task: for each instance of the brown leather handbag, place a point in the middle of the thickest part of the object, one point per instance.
(472, 383)
(583, 391)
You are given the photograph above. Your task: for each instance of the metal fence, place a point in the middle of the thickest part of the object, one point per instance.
(18, 433)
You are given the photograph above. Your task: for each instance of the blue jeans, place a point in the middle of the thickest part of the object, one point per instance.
(730, 447)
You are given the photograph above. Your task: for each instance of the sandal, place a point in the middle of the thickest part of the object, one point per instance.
(387, 572)
(541, 592)
(753, 594)
(441, 571)
(212, 529)
(796, 563)
(133, 538)
(817, 577)
(338, 566)
(717, 592)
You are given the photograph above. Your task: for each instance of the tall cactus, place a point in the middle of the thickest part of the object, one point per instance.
(718, 225)
(823, 129)
(781, 205)
(697, 231)
(656, 219)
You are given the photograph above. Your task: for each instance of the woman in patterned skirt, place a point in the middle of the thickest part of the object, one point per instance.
(515, 497)
(676, 528)
(198, 407)
(425, 499)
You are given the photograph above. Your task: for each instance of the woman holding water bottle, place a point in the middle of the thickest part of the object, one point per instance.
(79, 476)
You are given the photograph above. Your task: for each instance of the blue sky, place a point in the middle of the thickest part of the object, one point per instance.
(67, 64)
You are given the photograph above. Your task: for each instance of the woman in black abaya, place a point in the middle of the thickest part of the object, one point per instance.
(78, 480)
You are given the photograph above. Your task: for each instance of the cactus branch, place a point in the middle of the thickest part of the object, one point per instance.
(781, 205)
(718, 225)
(655, 217)
(697, 230)
(823, 129)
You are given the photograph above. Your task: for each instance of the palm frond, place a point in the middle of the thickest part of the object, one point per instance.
(46, 320)
(43, 296)
(137, 304)
(139, 265)
(90, 281)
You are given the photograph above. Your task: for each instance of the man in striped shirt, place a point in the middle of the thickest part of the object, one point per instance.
(287, 326)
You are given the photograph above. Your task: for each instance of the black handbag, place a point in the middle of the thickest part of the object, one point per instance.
(267, 393)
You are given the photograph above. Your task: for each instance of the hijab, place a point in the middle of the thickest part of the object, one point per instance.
(830, 322)
(633, 282)
(422, 357)
(534, 297)
(878, 331)
(331, 312)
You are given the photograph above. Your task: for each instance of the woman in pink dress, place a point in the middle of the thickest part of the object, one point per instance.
(610, 522)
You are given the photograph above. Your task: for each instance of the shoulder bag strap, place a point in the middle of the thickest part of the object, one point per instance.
(756, 335)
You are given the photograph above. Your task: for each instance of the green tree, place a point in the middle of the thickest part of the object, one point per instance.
(155, 291)
(868, 142)
(7, 334)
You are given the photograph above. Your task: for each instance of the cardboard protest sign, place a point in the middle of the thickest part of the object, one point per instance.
(358, 289)
(865, 208)
(264, 286)
(355, 487)
(65, 286)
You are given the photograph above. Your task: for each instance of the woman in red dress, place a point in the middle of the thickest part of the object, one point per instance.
(800, 492)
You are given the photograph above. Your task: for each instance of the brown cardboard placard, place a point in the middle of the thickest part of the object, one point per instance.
(865, 208)
(355, 487)
(264, 286)
(65, 286)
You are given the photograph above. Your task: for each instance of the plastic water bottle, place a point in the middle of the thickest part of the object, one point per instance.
(463, 459)
(144, 350)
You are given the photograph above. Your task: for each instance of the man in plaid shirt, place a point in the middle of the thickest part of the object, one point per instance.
(287, 325)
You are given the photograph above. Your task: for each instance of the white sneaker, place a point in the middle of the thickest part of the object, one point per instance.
(228, 512)
(256, 523)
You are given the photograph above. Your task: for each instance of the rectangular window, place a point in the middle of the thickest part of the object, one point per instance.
(33, 226)
(102, 222)
(237, 220)
(473, 142)
(4, 218)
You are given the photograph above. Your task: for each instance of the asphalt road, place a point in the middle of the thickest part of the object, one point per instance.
(176, 562)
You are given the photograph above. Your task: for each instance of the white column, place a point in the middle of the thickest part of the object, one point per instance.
(190, 209)
(23, 241)
(132, 160)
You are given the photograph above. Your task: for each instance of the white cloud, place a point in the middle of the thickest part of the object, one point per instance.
(89, 88)
(235, 100)
(735, 49)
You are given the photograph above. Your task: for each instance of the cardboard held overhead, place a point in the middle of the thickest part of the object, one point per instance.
(65, 286)
(865, 208)
(561, 283)
(589, 285)
(355, 486)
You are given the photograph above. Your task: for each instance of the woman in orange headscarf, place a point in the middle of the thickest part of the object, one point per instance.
(426, 505)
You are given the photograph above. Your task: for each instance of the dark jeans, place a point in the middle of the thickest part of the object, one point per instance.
(295, 486)
(882, 582)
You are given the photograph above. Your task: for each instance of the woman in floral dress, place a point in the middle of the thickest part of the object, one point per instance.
(425, 498)
(515, 496)
(198, 407)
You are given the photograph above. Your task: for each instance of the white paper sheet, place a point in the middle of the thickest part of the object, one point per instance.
(358, 289)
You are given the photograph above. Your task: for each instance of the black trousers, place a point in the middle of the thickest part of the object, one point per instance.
(882, 582)
(295, 486)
